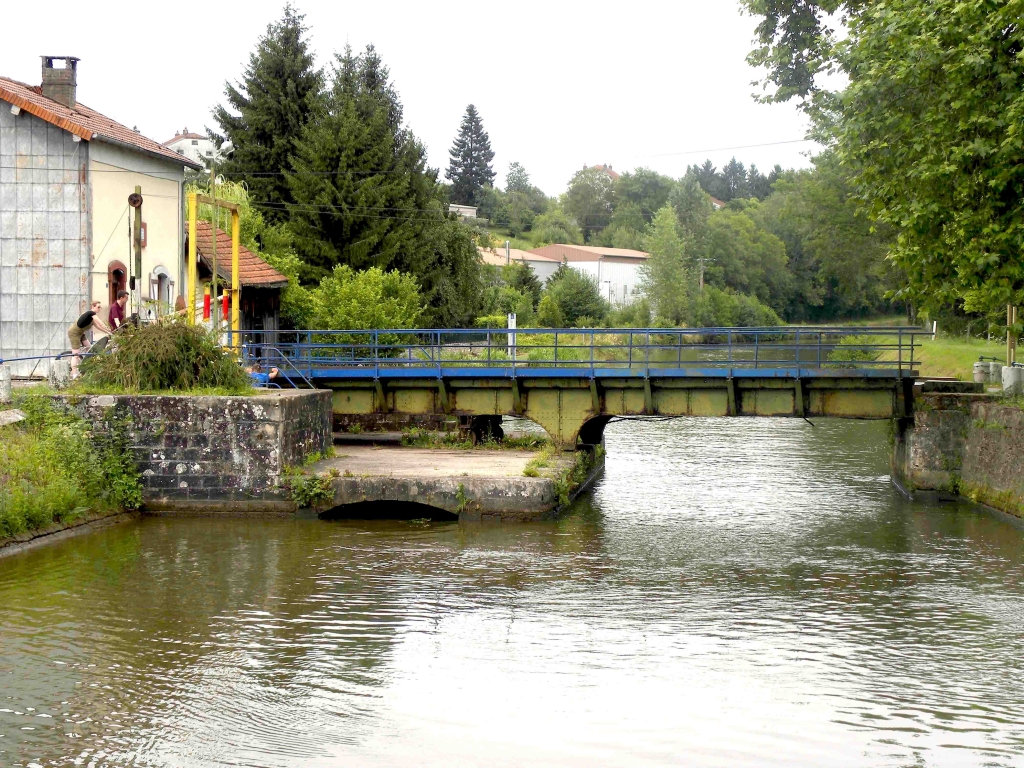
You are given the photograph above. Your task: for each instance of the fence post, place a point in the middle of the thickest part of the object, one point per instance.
(757, 339)
(6, 393)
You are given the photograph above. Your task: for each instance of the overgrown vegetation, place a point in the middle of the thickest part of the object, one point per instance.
(54, 469)
(166, 355)
(422, 438)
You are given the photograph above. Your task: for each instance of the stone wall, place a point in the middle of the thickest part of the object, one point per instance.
(963, 444)
(993, 464)
(199, 453)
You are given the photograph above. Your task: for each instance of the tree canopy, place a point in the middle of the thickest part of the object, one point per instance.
(266, 112)
(929, 127)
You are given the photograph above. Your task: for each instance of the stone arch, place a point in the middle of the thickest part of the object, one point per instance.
(388, 510)
(117, 280)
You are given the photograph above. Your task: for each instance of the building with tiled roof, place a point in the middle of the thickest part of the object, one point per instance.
(259, 283)
(194, 146)
(617, 271)
(66, 172)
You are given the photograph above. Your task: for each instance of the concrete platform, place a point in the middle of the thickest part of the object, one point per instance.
(472, 485)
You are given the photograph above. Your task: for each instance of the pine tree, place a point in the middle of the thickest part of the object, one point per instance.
(364, 196)
(266, 112)
(471, 156)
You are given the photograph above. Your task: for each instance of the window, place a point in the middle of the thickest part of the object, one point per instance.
(209, 153)
(195, 142)
(181, 151)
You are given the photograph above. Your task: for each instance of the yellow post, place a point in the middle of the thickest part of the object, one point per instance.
(192, 275)
(236, 293)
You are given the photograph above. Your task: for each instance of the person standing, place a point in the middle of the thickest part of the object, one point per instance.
(116, 314)
(78, 335)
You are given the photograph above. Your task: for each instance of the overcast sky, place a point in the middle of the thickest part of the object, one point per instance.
(558, 84)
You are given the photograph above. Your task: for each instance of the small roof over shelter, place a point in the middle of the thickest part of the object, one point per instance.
(253, 272)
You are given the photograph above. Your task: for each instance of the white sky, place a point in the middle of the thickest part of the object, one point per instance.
(558, 84)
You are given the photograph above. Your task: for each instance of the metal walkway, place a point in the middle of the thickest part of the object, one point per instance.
(786, 352)
(572, 381)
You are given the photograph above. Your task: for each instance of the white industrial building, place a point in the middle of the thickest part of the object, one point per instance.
(615, 270)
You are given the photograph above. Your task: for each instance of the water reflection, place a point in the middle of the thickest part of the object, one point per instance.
(734, 592)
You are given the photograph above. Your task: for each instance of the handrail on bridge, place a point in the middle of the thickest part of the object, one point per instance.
(329, 353)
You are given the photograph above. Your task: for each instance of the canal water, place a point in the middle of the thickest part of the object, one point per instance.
(733, 593)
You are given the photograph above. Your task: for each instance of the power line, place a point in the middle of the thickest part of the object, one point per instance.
(730, 149)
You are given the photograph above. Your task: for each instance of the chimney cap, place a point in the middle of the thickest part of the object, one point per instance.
(73, 59)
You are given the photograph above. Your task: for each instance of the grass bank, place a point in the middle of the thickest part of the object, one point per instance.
(54, 469)
(953, 356)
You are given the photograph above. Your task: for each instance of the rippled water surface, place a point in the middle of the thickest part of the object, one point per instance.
(733, 593)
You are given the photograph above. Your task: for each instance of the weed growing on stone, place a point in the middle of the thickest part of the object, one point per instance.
(311, 490)
(54, 469)
(461, 499)
(421, 438)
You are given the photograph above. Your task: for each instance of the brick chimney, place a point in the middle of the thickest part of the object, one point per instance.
(60, 83)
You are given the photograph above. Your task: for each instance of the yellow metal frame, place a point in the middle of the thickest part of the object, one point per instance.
(194, 199)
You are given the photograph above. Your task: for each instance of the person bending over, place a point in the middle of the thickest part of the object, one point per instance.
(78, 335)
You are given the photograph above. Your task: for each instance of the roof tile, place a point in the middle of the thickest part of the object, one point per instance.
(82, 121)
(252, 270)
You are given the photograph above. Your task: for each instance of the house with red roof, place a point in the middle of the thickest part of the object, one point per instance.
(66, 172)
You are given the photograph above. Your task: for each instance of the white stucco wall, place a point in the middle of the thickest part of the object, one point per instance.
(114, 172)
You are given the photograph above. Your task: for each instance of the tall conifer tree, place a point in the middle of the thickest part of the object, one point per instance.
(265, 113)
(470, 167)
(364, 196)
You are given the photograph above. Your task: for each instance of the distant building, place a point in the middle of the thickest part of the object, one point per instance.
(542, 266)
(65, 175)
(613, 175)
(615, 270)
(196, 147)
(464, 212)
(717, 204)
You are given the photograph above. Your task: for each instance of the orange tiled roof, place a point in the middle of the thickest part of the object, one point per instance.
(252, 270)
(186, 135)
(82, 121)
(587, 252)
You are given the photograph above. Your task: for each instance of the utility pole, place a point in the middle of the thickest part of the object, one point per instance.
(135, 201)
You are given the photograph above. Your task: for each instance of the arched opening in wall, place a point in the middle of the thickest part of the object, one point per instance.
(520, 429)
(388, 510)
(592, 431)
(117, 280)
(161, 290)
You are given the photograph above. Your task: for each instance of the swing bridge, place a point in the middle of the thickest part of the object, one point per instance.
(572, 382)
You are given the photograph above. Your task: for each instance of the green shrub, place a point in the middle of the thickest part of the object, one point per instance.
(53, 468)
(168, 355)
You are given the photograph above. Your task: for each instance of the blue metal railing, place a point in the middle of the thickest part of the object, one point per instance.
(315, 355)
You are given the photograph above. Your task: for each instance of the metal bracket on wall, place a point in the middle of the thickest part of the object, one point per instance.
(382, 401)
(595, 396)
(648, 397)
(442, 393)
(730, 388)
(798, 397)
(517, 397)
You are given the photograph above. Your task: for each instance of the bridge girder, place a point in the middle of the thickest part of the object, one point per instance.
(563, 406)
